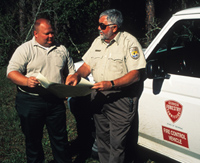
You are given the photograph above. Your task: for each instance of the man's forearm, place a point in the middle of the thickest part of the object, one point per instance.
(128, 79)
(22, 80)
(83, 71)
(17, 78)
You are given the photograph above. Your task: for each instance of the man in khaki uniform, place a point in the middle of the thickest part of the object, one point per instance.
(115, 60)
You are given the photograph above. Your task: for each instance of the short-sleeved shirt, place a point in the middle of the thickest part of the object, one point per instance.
(111, 61)
(31, 58)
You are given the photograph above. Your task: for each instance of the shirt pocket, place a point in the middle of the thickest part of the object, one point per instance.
(115, 64)
(60, 60)
(96, 60)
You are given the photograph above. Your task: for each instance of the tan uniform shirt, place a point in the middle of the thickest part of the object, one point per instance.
(111, 61)
(31, 58)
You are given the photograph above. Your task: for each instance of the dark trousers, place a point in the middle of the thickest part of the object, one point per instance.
(115, 118)
(80, 108)
(34, 113)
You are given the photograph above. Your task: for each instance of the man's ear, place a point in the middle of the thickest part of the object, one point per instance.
(35, 33)
(115, 29)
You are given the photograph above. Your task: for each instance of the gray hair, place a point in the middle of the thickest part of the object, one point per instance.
(114, 16)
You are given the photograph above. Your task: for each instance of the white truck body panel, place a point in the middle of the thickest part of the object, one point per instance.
(177, 137)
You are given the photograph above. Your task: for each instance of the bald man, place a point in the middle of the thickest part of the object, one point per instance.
(36, 106)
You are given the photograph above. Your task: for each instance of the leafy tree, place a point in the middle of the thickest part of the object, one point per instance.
(76, 21)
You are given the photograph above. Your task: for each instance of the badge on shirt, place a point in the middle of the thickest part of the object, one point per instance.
(134, 53)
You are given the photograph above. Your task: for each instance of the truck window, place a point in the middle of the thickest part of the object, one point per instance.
(178, 51)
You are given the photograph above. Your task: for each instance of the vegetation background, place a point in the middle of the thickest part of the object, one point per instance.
(75, 23)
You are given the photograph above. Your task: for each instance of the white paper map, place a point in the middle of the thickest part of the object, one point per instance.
(62, 91)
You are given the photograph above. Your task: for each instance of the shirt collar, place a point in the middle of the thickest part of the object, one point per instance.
(117, 37)
(35, 43)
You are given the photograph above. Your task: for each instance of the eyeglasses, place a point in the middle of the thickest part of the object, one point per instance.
(103, 26)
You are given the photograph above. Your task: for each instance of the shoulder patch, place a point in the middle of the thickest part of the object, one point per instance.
(134, 53)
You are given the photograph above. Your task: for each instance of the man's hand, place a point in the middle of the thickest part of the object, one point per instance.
(83, 71)
(102, 86)
(32, 82)
(72, 80)
(126, 80)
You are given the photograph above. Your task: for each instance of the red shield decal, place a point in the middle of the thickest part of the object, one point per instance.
(174, 110)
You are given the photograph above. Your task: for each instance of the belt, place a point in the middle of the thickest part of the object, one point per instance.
(132, 90)
(20, 89)
(36, 91)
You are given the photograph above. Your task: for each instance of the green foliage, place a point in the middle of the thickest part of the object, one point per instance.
(78, 52)
(71, 23)
(149, 161)
(11, 138)
(183, 4)
(171, 7)
(6, 39)
(75, 21)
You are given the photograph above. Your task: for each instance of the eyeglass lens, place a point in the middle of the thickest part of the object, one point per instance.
(102, 26)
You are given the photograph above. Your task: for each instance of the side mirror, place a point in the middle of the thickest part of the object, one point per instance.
(155, 70)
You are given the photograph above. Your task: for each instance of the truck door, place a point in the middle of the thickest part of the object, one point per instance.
(169, 108)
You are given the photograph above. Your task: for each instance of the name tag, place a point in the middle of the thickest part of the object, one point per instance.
(97, 50)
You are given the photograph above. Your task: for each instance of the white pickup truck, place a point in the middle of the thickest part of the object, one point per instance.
(169, 108)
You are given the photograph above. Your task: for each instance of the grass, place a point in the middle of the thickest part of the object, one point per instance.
(12, 145)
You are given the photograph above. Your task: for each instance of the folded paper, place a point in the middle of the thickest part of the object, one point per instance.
(83, 88)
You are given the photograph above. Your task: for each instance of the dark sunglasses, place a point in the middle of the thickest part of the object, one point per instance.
(103, 26)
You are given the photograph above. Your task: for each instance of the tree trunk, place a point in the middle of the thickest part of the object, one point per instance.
(21, 16)
(34, 10)
(150, 17)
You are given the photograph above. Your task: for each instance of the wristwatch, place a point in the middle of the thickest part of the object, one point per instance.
(113, 85)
